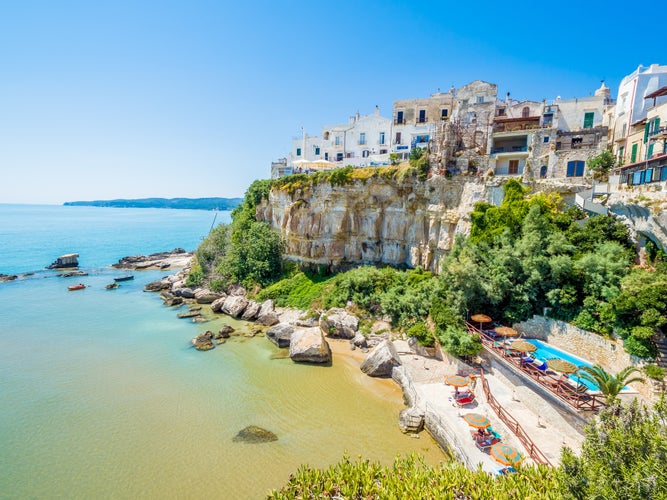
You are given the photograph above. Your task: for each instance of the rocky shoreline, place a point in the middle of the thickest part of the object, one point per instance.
(306, 336)
(178, 257)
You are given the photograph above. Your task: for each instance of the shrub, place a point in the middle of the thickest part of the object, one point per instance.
(655, 372)
(422, 333)
(196, 275)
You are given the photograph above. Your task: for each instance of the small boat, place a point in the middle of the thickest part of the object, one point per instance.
(112, 286)
(80, 286)
(124, 278)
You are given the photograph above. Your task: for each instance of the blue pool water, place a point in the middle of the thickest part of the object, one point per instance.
(545, 352)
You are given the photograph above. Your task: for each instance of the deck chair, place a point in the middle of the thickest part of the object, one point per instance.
(464, 401)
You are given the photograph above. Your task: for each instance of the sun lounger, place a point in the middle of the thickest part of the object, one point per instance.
(486, 443)
(464, 401)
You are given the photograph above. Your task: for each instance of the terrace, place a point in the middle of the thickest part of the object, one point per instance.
(573, 396)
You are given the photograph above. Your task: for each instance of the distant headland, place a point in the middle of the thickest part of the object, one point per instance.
(182, 203)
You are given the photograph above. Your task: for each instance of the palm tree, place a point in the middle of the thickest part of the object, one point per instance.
(609, 384)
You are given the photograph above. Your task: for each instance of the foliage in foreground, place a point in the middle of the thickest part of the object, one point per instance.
(622, 457)
(610, 385)
(410, 477)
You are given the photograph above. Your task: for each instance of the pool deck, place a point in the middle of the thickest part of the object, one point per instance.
(547, 430)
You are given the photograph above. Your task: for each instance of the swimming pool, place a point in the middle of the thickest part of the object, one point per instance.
(545, 352)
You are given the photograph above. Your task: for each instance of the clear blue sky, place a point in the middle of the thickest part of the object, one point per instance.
(111, 99)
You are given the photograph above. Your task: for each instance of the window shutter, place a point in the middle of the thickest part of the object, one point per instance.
(580, 169)
(570, 169)
(633, 154)
(588, 120)
(646, 129)
(650, 151)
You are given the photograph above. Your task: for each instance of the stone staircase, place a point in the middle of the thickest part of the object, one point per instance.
(660, 342)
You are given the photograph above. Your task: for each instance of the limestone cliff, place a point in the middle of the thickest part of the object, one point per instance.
(643, 210)
(374, 221)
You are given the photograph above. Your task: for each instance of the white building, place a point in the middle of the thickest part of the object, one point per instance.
(363, 141)
(632, 107)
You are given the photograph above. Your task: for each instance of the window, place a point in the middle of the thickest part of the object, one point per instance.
(649, 175)
(514, 167)
(548, 120)
(381, 141)
(625, 129)
(444, 113)
(362, 138)
(339, 156)
(399, 117)
(326, 135)
(525, 112)
(588, 119)
(621, 153)
(663, 174)
(326, 156)
(650, 151)
(501, 112)
(365, 153)
(298, 151)
(317, 151)
(543, 172)
(383, 151)
(633, 153)
(337, 141)
(398, 138)
(349, 155)
(480, 99)
(546, 139)
(422, 116)
(575, 168)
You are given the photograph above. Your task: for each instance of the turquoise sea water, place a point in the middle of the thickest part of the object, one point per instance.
(102, 396)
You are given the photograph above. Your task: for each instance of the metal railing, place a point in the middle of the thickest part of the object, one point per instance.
(530, 447)
(577, 399)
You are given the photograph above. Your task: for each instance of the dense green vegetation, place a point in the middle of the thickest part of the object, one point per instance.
(526, 256)
(247, 251)
(622, 457)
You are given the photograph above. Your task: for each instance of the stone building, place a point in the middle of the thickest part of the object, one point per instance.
(416, 122)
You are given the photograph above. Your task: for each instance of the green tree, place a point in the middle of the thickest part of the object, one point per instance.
(622, 457)
(610, 386)
(601, 164)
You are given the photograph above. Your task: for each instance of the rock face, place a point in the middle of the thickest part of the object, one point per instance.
(381, 360)
(203, 341)
(234, 305)
(170, 299)
(308, 345)
(280, 334)
(379, 221)
(339, 323)
(254, 434)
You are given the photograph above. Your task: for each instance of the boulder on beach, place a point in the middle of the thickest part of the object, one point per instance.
(251, 311)
(359, 340)
(381, 360)
(308, 345)
(254, 434)
(267, 315)
(203, 341)
(338, 322)
(216, 305)
(234, 305)
(206, 296)
(189, 314)
(280, 334)
(186, 293)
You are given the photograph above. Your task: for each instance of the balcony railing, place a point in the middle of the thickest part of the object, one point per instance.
(399, 121)
(660, 131)
(509, 149)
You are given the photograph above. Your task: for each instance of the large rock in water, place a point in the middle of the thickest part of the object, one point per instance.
(381, 360)
(251, 311)
(206, 296)
(156, 286)
(254, 434)
(216, 305)
(203, 341)
(280, 334)
(234, 305)
(308, 345)
(339, 323)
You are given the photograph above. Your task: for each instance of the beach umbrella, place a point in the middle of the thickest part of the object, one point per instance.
(562, 366)
(480, 318)
(476, 420)
(505, 454)
(456, 380)
(506, 331)
(522, 346)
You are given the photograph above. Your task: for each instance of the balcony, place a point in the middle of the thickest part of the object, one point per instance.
(504, 125)
(661, 133)
(399, 121)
